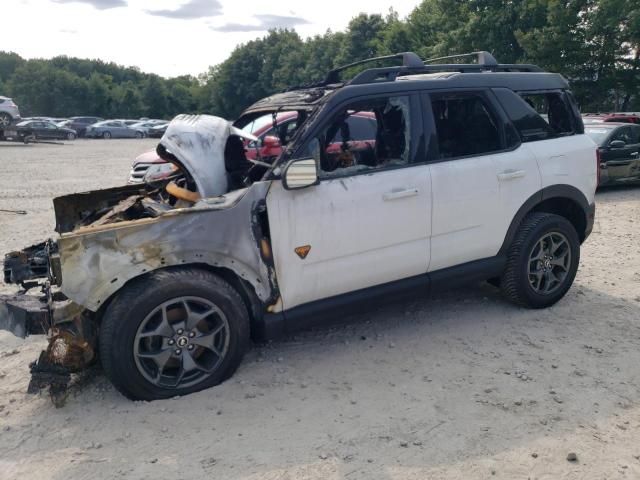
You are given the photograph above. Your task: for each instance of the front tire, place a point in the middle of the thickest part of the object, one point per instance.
(71, 136)
(173, 332)
(106, 135)
(542, 261)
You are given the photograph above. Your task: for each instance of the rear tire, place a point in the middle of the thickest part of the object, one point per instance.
(5, 119)
(135, 339)
(71, 136)
(139, 135)
(542, 261)
(106, 135)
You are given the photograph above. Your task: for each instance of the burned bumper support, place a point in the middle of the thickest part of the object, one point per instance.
(72, 333)
(24, 315)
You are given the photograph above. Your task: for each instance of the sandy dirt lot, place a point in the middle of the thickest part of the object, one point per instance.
(461, 385)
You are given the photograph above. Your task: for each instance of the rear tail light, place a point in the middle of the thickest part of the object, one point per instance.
(598, 164)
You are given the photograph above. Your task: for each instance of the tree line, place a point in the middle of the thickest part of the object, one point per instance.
(594, 43)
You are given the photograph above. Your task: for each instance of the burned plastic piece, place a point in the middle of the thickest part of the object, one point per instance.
(23, 315)
(27, 264)
(70, 351)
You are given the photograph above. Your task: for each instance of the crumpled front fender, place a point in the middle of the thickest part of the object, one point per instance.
(96, 263)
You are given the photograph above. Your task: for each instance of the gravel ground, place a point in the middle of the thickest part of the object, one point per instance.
(461, 385)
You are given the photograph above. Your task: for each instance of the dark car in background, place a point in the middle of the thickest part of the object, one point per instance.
(43, 130)
(112, 129)
(80, 124)
(157, 131)
(619, 150)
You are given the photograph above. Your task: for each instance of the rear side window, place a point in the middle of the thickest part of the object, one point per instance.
(465, 125)
(537, 116)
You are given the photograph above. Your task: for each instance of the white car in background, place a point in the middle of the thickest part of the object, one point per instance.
(9, 112)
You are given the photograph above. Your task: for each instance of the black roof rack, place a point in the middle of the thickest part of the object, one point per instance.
(412, 64)
(409, 60)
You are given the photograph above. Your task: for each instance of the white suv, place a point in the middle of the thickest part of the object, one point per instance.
(9, 112)
(468, 172)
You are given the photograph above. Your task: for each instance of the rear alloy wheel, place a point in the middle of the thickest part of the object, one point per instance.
(106, 135)
(71, 136)
(542, 261)
(5, 119)
(173, 332)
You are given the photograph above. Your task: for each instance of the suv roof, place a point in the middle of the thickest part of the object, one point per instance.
(422, 75)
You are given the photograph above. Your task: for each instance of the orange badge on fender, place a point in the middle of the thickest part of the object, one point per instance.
(303, 251)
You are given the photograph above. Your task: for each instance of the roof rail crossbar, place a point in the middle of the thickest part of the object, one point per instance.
(483, 57)
(413, 64)
(409, 60)
(391, 73)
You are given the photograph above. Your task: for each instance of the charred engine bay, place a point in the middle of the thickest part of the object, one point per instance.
(113, 205)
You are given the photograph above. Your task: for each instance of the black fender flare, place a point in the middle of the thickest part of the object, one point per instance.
(553, 191)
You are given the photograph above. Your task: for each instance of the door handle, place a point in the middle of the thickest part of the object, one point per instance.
(397, 194)
(511, 174)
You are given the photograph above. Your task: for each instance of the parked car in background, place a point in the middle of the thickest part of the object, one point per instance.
(619, 150)
(588, 118)
(41, 129)
(80, 124)
(9, 112)
(112, 129)
(146, 126)
(157, 131)
(128, 121)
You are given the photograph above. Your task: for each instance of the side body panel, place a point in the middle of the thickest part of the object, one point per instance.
(568, 160)
(363, 230)
(466, 206)
(518, 178)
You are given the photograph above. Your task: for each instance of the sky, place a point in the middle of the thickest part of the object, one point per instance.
(167, 37)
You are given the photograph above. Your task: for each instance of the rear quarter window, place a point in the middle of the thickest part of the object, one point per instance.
(539, 116)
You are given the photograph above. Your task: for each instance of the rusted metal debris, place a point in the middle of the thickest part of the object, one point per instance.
(15, 212)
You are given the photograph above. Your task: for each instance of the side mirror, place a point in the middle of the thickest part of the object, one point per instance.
(300, 174)
(617, 144)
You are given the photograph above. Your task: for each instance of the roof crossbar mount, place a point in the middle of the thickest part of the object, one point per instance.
(409, 60)
(483, 58)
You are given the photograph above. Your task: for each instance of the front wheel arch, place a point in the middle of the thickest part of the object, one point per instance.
(247, 292)
(129, 310)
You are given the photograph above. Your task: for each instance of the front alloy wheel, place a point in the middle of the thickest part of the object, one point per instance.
(173, 332)
(181, 342)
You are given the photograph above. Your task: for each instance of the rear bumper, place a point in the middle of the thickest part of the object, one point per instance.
(591, 218)
(23, 315)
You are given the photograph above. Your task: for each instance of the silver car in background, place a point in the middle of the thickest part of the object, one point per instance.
(146, 126)
(8, 112)
(112, 129)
